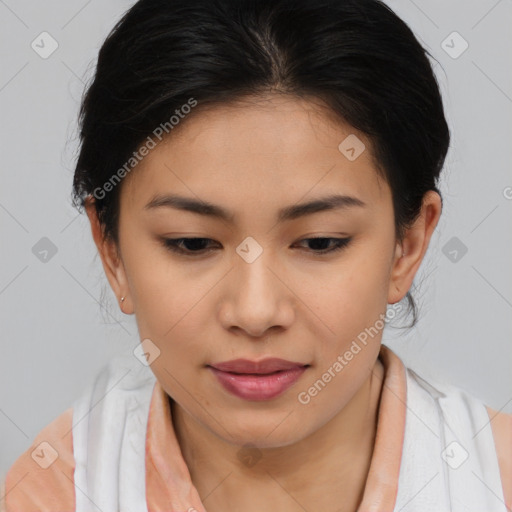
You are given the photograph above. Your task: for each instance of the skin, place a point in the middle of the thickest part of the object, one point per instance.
(291, 302)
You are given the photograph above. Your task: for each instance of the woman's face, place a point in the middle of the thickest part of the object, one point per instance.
(259, 287)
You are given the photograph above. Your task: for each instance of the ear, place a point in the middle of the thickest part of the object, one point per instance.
(409, 253)
(110, 259)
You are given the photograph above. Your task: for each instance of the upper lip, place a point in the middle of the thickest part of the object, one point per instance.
(269, 365)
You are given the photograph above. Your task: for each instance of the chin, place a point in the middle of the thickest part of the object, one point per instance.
(265, 437)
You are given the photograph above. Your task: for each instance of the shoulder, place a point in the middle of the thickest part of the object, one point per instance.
(42, 477)
(501, 424)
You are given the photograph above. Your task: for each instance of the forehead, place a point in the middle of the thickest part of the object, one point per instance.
(276, 149)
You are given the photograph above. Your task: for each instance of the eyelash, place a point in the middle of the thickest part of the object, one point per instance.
(172, 244)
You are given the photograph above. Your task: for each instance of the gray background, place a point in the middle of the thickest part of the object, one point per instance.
(54, 333)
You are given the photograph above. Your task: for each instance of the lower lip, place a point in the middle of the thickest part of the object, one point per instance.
(258, 387)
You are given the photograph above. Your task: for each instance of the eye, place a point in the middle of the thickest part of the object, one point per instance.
(338, 244)
(193, 246)
(199, 246)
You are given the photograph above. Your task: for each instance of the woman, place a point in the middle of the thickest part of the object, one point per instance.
(261, 182)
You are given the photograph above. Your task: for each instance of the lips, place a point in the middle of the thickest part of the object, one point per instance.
(266, 366)
(257, 380)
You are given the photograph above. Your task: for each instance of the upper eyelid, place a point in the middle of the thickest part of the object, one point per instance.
(178, 239)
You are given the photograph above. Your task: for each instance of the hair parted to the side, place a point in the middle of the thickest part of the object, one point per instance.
(356, 57)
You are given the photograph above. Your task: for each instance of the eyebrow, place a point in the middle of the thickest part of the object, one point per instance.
(332, 202)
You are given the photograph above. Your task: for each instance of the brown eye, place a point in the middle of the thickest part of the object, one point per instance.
(188, 246)
(321, 244)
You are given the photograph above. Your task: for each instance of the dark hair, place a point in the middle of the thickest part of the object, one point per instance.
(356, 56)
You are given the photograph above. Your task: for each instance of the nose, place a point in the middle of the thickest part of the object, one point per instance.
(256, 298)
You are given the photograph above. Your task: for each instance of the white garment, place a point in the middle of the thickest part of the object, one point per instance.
(109, 438)
(109, 434)
(437, 416)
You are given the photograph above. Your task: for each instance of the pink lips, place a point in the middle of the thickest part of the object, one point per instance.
(261, 380)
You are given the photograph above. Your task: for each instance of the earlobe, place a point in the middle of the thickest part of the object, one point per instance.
(121, 303)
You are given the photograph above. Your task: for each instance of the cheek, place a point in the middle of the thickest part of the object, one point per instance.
(169, 308)
(351, 295)
(169, 311)
(353, 306)
(352, 303)
(166, 305)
